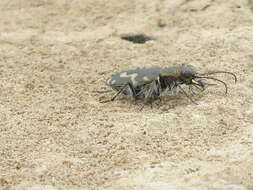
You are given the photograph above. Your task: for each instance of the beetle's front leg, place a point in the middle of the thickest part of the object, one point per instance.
(187, 95)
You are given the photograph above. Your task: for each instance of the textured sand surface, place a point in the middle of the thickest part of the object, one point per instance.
(56, 55)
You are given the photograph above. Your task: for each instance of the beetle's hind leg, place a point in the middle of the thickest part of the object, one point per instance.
(128, 85)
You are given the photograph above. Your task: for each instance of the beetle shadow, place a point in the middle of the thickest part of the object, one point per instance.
(166, 102)
(172, 101)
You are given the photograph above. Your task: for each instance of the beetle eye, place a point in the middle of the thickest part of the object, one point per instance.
(188, 74)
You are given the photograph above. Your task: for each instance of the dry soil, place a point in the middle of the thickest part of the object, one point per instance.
(55, 57)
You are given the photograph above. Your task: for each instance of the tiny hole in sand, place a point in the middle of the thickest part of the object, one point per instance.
(137, 39)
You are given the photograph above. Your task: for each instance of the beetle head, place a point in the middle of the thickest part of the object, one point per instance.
(188, 73)
(189, 76)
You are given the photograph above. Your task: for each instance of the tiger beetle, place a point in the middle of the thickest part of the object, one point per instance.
(149, 84)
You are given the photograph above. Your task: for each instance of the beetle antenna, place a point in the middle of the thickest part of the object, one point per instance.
(212, 78)
(218, 72)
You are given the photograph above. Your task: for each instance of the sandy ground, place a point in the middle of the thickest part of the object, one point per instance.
(55, 134)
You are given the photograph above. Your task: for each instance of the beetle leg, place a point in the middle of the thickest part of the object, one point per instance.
(192, 93)
(152, 91)
(120, 91)
(187, 95)
(196, 86)
(134, 95)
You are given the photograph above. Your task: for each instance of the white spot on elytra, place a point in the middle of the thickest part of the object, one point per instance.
(109, 81)
(146, 78)
(131, 76)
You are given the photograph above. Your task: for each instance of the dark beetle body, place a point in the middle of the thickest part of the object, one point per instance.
(150, 83)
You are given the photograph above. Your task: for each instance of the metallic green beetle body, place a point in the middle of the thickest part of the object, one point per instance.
(150, 83)
(142, 76)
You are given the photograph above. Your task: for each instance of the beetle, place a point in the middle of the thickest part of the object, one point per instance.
(149, 84)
